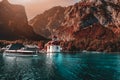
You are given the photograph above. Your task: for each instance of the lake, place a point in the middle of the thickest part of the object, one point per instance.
(59, 66)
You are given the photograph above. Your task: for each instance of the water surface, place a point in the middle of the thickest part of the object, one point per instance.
(59, 66)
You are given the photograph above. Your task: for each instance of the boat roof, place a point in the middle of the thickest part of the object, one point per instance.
(16, 46)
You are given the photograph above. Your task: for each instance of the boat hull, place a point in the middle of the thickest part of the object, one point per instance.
(19, 53)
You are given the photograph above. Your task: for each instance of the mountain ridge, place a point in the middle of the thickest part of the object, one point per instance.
(82, 15)
(14, 24)
(45, 23)
(85, 14)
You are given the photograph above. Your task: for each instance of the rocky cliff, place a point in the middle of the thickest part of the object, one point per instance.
(91, 19)
(14, 24)
(96, 19)
(46, 23)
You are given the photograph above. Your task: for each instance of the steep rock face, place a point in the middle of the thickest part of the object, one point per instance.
(91, 16)
(46, 23)
(14, 24)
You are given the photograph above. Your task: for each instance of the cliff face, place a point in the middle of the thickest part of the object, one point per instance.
(91, 19)
(14, 24)
(96, 19)
(46, 23)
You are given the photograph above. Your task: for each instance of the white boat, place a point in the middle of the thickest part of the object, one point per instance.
(21, 50)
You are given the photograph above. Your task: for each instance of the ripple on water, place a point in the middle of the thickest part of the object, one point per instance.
(61, 67)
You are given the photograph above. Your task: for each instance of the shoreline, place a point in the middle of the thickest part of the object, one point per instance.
(90, 52)
(72, 52)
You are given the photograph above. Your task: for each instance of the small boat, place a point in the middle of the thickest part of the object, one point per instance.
(21, 50)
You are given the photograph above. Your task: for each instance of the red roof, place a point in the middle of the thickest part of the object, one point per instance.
(53, 43)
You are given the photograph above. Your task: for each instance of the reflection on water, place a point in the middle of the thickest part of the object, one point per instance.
(15, 66)
(49, 65)
(60, 66)
(117, 68)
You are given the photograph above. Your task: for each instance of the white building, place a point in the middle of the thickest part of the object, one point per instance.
(53, 46)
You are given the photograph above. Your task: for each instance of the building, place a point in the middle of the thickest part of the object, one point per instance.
(54, 45)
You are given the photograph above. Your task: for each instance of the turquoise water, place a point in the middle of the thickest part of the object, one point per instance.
(61, 67)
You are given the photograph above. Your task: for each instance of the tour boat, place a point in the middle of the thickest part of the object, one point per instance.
(20, 49)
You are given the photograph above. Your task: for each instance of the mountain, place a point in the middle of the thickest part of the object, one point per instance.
(14, 24)
(96, 19)
(46, 23)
